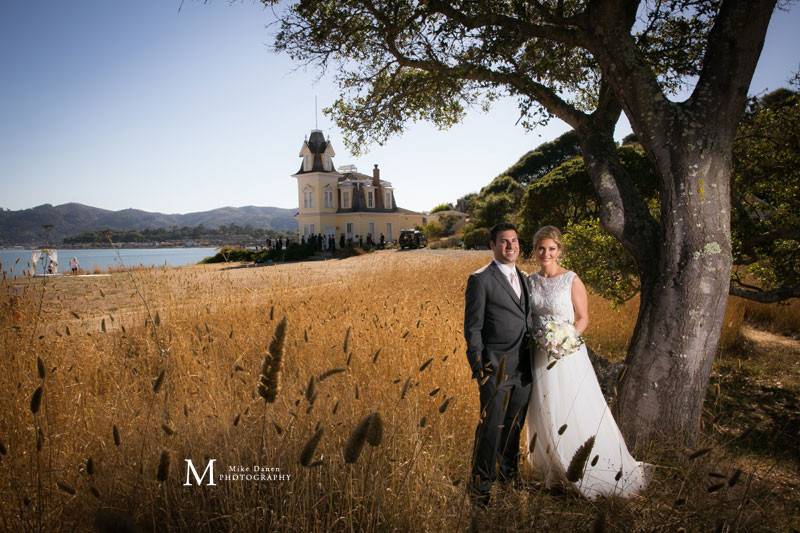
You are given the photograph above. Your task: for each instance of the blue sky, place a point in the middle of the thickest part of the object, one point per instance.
(122, 103)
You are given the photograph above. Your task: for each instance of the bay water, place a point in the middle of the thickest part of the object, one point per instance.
(16, 261)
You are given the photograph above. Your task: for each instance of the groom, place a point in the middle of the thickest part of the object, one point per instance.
(496, 328)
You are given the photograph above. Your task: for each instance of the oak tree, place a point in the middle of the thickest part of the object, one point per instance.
(583, 61)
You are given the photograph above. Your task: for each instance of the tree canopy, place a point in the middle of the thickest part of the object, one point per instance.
(765, 208)
(584, 61)
(404, 61)
(765, 216)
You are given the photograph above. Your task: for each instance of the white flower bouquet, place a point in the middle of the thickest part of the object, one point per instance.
(558, 338)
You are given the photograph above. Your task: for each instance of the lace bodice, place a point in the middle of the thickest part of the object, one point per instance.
(552, 297)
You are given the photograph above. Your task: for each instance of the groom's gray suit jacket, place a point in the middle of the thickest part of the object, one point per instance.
(497, 324)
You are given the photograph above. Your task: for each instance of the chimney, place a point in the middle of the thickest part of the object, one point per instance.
(376, 176)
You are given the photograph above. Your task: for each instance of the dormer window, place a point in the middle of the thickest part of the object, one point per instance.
(327, 162)
(387, 200)
(308, 198)
(346, 200)
(308, 157)
(317, 154)
(370, 199)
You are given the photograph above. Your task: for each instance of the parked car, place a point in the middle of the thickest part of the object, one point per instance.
(412, 238)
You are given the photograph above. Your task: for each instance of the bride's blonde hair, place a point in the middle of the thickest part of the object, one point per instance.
(548, 232)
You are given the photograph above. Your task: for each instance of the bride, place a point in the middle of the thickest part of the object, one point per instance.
(566, 407)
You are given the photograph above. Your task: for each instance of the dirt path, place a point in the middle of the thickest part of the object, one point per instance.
(772, 360)
(770, 341)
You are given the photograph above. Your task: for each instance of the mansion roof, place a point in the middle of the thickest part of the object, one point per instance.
(319, 151)
(359, 177)
(354, 189)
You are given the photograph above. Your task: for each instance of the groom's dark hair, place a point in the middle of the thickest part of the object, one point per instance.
(501, 226)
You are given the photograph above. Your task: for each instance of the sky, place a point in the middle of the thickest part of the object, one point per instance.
(137, 103)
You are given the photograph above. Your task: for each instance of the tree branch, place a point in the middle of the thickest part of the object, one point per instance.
(548, 98)
(563, 32)
(734, 46)
(766, 297)
(608, 38)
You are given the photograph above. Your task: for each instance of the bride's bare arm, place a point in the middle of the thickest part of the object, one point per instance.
(580, 304)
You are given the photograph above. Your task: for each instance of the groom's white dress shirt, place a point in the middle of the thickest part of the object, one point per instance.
(510, 273)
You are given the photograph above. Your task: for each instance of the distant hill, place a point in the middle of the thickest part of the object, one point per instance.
(25, 227)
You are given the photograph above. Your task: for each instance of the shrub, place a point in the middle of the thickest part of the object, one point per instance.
(229, 253)
(477, 238)
(601, 261)
(448, 222)
(295, 252)
(442, 207)
(432, 230)
(449, 242)
(348, 251)
(298, 252)
(494, 208)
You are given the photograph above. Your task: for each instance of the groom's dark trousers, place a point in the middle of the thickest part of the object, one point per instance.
(496, 328)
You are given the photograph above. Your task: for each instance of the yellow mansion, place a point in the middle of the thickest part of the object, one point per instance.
(346, 202)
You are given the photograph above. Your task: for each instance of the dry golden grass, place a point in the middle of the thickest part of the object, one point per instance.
(142, 370)
(783, 318)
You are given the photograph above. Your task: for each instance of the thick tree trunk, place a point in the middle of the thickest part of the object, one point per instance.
(683, 298)
(685, 290)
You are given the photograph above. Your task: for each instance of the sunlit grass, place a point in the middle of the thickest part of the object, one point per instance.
(105, 341)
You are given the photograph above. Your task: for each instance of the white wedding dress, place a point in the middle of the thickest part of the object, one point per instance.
(567, 398)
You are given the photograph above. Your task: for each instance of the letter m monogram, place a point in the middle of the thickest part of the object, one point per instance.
(190, 471)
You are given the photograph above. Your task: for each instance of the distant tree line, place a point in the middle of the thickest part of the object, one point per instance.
(223, 234)
(295, 251)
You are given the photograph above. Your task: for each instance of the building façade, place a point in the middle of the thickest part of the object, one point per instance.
(346, 202)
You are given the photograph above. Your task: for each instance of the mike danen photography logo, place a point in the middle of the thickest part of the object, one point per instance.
(246, 473)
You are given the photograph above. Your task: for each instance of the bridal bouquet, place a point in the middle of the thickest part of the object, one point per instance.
(558, 338)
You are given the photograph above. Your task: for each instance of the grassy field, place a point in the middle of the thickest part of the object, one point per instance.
(138, 371)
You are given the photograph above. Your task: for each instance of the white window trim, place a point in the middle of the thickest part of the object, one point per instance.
(308, 197)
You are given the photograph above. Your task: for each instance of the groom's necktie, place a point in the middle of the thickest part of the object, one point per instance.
(512, 278)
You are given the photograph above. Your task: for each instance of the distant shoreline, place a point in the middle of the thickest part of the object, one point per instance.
(126, 245)
(16, 262)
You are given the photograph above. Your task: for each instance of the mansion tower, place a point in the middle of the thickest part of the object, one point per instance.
(346, 202)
